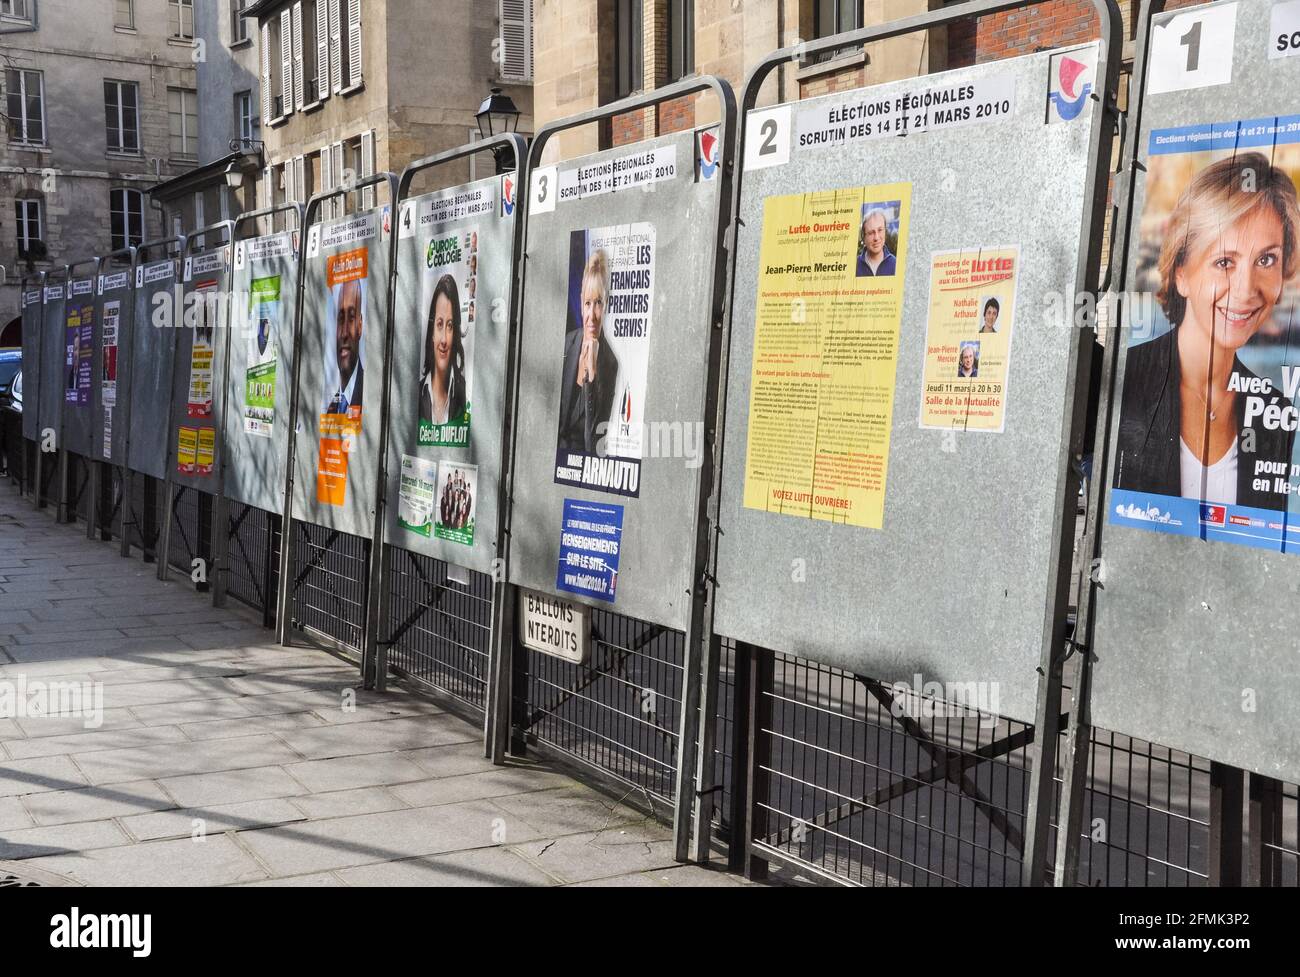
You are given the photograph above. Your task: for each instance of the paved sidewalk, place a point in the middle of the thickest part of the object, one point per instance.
(223, 759)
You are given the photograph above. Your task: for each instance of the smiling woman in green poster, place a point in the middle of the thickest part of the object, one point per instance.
(447, 357)
(442, 387)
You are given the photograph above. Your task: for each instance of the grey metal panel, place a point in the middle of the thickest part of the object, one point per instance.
(660, 526)
(1195, 642)
(149, 369)
(33, 321)
(79, 307)
(254, 463)
(212, 316)
(357, 513)
(113, 299)
(486, 342)
(959, 583)
(53, 378)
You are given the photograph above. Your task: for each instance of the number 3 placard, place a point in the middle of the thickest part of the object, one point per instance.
(1192, 50)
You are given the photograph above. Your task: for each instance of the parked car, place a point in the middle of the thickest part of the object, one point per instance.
(11, 368)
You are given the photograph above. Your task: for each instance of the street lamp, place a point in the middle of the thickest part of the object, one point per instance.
(498, 115)
(234, 175)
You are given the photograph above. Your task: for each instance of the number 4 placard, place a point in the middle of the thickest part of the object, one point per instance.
(1192, 50)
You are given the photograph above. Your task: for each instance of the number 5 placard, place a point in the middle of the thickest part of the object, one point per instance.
(1192, 50)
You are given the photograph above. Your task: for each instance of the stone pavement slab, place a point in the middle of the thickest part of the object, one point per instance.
(220, 758)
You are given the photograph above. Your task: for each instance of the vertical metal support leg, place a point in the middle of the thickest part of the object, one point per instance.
(1263, 865)
(106, 499)
(270, 568)
(761, 686)
(219, 571)
(1226, 796)
(92, 502)
(738, 812)
(707, 786)
(1042, 782)
(517, 659)
(377, 614)
(149, 529)
(164, 554)
(369, 672)
(125, 520)
(498, 720)
(284, 597)
(61, 512)
(1078, 749)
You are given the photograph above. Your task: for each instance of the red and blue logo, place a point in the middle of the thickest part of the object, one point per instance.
(508, 195)
(1069, 96)
(1213, 515)
(708, 143)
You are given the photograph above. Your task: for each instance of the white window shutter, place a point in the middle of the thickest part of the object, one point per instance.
(297, 56)
(336, 46)
(327, 178)
(368, 167)
(300, 179)
(516, 19)
(286, 62)
(268, 106)
(268, 190)
(322, 50)
(340, 202)
(354, 42)
(290, 183)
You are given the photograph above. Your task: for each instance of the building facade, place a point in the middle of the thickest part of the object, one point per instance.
(100, 103)
(351, 89)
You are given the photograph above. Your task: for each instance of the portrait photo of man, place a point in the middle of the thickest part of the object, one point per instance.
(346, 382)
(877, 240)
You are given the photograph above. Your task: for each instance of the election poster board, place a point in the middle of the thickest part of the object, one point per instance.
(895, 471)
(447, 396)
(259, 378)
(614, 377)
(51, 390)
(201, 341)
(1192, 647)
(148, 368)
(114, 314)
(33, 320)
(341, 370)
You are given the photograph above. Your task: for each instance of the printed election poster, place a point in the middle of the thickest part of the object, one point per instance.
(968, 338)
(457, 502)
(603, 372)
(79, 332)
(830, 291)
(262, 335)
(1208, 416)
(447, 357)
(205, 303)
(344, 371)
(108, 371)
(417, 495)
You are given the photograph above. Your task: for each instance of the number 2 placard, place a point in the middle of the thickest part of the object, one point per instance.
(1192, 50)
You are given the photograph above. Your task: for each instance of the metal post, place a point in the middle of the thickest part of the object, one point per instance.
(1226, 797)
(149, 531)
(762, 685)
(517, 658)
(738, 815)
(1264, 867)
(269, 582)
(203, 541)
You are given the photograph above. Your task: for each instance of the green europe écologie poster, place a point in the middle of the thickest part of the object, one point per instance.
(263, 348)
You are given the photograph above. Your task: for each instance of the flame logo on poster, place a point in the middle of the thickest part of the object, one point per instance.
(708, 155)
(508, 196)
(1068, 96)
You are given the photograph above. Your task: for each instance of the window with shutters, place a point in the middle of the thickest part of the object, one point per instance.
(295, 34)
(681, 38)
(285, 104)
(126, 217)
(183, 122)
(28, 215)
(515, 45)
(122, 116)
(245, 120)
(25, 106)
(310, 57)
(349, 45)
(124, 14)
(834, 17)
(239, 32)
(628, 48)
(180, 19)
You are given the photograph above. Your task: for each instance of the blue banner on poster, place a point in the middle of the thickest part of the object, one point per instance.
(590, 538)
(1245, 525)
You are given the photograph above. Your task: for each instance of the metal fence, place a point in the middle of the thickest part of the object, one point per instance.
(328, 589)
(253, 558)
(441, 626)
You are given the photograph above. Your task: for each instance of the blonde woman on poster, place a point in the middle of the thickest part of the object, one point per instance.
(1228, 252)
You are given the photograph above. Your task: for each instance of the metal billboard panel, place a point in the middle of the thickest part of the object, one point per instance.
(623, 469)
(259, 377)
(149, 367)
(33, 323)
(1193, 643)
(53, 378)
(114, 314)
(455, 271)
(81, 337)
(887, 506)
(201, 335)
(344, 296)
